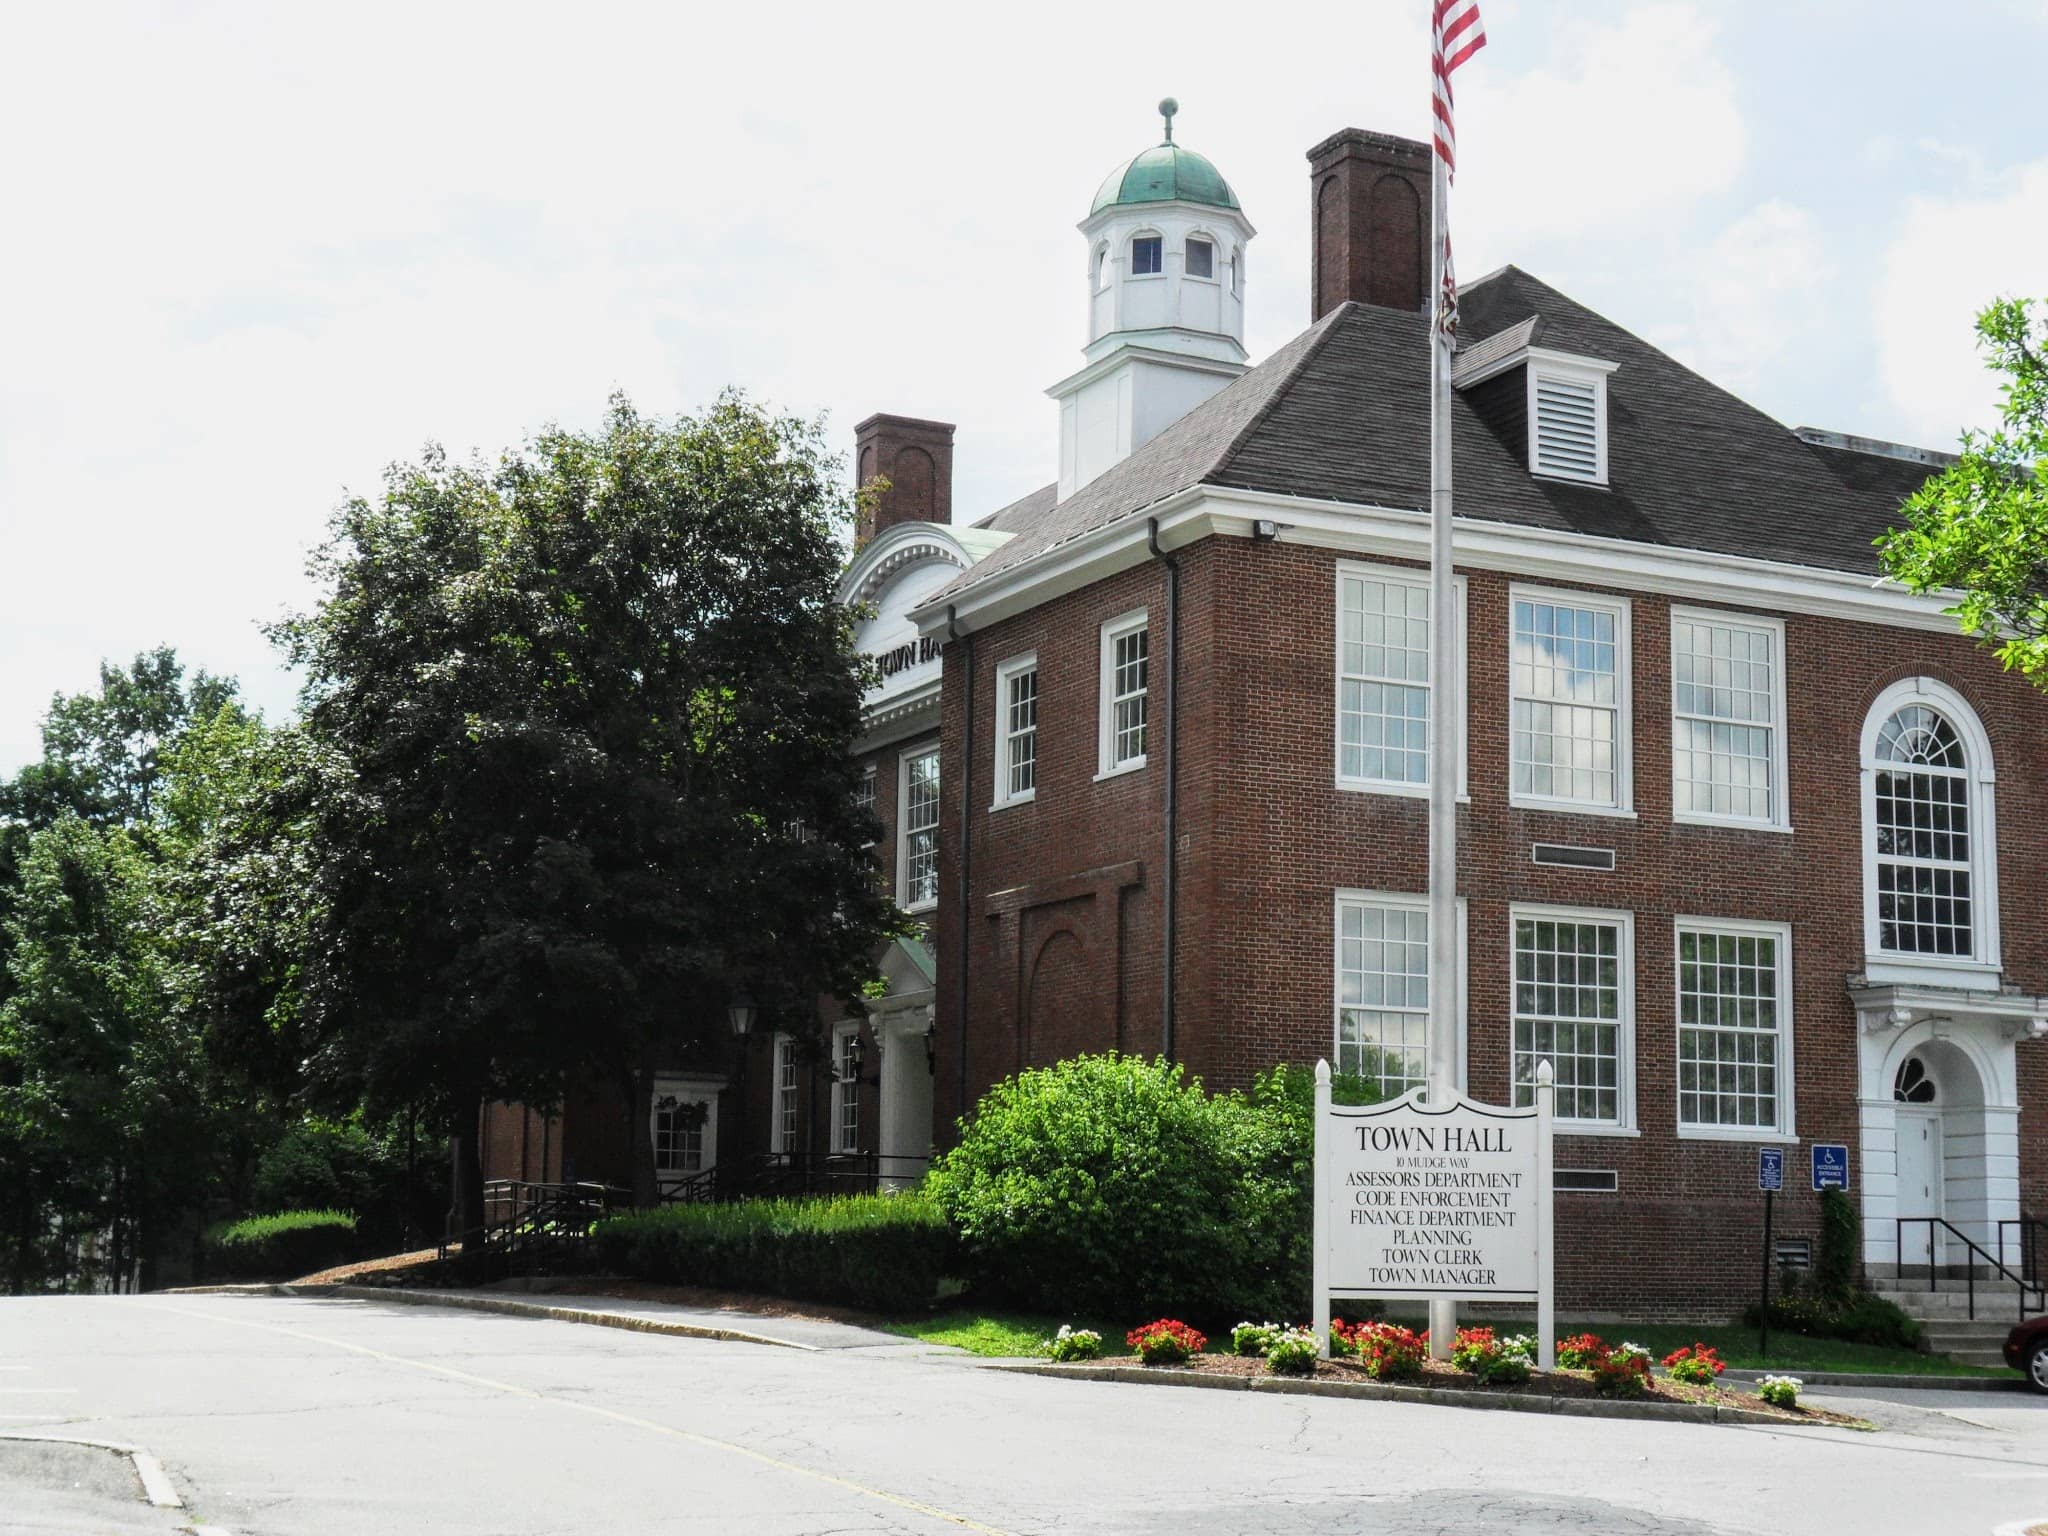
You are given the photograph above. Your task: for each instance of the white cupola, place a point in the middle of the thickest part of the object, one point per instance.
(1166, 274)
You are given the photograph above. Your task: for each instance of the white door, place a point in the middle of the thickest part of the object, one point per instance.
(1920, 1180)
(906, 1141)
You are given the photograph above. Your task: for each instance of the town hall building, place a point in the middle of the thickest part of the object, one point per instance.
(1751, 841)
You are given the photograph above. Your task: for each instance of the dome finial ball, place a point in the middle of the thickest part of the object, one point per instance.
(1166, 110)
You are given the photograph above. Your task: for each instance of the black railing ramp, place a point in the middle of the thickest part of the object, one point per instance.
(2027, 1285)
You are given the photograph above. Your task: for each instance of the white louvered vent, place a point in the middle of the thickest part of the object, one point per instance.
(1566, 430)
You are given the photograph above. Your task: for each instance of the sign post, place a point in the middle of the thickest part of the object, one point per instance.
(1432, 1198)
(1770, 1178)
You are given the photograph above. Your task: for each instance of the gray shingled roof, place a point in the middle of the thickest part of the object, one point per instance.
(1341, 413)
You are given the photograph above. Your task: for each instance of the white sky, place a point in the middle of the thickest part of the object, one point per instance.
(252, 253)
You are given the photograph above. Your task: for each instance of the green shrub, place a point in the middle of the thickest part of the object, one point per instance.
(1857, 1318)
(887, 1253)
(1110, 1184)
(1841, 1240)
(281, 1247)
(1293, 1353)
(1254, 1339)
(343, 1165)
(1072, 1343)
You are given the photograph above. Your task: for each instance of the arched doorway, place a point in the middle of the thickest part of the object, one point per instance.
(1941, 1160)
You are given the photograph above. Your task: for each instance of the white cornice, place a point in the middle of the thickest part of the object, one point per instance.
(905, 714)
(892, 549)
(1403, 533)
(1128, 352)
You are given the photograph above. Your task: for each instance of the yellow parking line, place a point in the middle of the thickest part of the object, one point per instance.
(707, 1441)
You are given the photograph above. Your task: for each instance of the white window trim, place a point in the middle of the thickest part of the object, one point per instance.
(903, 758)
(1004, 672)
(871, 787)
(840, 1035)
(1408, 901)
(779, 1144)
(1624, 701)
(1406, 575)
(1880, 966)
(1786, 1129)
(1131, 272)
(1780, 819)
(1577, 370)
(1105, 714)
(685, 1090)
(1624, 1035)
(1215, 257)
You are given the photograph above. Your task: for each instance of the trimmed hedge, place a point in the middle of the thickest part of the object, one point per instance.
(887, 1253)
(1857, 1318)
(286, 1245)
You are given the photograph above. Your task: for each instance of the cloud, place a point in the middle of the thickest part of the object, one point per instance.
(1952, 256)
(1752, 299)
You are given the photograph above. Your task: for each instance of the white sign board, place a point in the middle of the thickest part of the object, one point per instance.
(1417, 1199)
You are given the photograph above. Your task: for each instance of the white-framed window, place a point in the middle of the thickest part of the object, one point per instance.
(782, 1117)
(684, 1128)
(1930, 838)
(1147, 256)
(1727, 718)
(917, 829)
(1016, 754)
(1382, 989)
(1568, 691)
(1126, 682)
(1735, 1034)
(864, 796)
(1236, 272)
(1201, 258)
(1101, 268)
(1573, 1005)
(1568, 417)
(1383, 677)
(846, 1088)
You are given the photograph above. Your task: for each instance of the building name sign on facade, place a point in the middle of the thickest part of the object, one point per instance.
(912, 653)
(1415, 1200)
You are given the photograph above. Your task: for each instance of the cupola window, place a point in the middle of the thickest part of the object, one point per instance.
(1201, 259)
(1146, 258)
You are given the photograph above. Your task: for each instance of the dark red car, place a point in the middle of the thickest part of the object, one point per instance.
(2026, 1351)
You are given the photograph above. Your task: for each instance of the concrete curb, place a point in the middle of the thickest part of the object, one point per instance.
(157, 1488)
(1449, 1397)
(1868, 1379)
(506, 1305)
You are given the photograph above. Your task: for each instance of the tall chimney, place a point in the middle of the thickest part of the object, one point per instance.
(1370, 204)
(916, 457)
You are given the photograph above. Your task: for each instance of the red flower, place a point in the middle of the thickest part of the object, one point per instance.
(1166, 1341)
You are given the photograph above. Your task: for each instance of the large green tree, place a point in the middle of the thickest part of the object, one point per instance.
(589, 715)
(1980, 527)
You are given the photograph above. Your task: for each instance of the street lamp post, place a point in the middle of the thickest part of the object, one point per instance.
(740, 1014)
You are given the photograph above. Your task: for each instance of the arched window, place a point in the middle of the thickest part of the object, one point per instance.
(1147, 256)
(1236, 274)
(1101, 267)
(1201, 257)
(1914, 1084)
(1929, 854)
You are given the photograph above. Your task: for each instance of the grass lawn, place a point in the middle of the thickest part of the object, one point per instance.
(1001, 1334)
(1013, 1334)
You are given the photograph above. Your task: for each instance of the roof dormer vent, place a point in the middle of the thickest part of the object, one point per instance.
(1556, 410)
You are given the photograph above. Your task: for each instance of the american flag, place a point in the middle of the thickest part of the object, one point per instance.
(1456, 34)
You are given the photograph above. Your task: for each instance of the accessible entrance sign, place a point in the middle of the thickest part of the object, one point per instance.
(1415, 1199)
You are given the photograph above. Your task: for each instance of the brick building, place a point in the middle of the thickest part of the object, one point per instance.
(1751, 843)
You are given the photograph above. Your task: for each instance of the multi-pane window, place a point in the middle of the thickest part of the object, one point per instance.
(678, 1135)
(1016, 730)
(1568, 685)
(1146, 253)
(1923, 831)
(864, 795)
(1571, 1000)
(1383, 993)
(1726, 682)
(1382, 679)
(1201, 259)
(1733, 1018)
(846, 1091)
(782, 1124)
(1126, 653)
(919, 815)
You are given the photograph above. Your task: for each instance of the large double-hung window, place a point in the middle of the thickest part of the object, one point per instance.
(1727, 718)
(1016, 730)
(1734, 1027)
(1126, 686)
(918, 839)
(1574, 1007)
(1569, 698)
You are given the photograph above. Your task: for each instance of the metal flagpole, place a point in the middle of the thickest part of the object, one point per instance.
(1443, 722)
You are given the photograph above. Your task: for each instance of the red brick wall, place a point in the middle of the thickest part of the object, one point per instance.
(1065, 890)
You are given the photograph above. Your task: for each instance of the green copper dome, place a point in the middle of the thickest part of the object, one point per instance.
(1165, 173)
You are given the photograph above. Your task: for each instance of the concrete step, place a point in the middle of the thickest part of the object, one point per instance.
(1942, 1305)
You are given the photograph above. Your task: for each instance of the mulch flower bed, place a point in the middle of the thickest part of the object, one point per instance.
(1559, 1383)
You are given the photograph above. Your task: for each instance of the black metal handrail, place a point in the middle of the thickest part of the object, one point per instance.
(1969, 1270)
(2030, 1243)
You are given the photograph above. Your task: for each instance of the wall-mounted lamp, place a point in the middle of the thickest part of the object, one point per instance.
(1265, 530)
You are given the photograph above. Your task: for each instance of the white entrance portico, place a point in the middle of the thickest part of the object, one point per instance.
(901, 1022)
(1938, 1109)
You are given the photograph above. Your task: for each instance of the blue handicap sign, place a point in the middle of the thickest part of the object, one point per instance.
(1770, 1167)
(1830, 1166)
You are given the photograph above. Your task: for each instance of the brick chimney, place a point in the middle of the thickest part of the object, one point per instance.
(1370, 202)
(916, 457)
